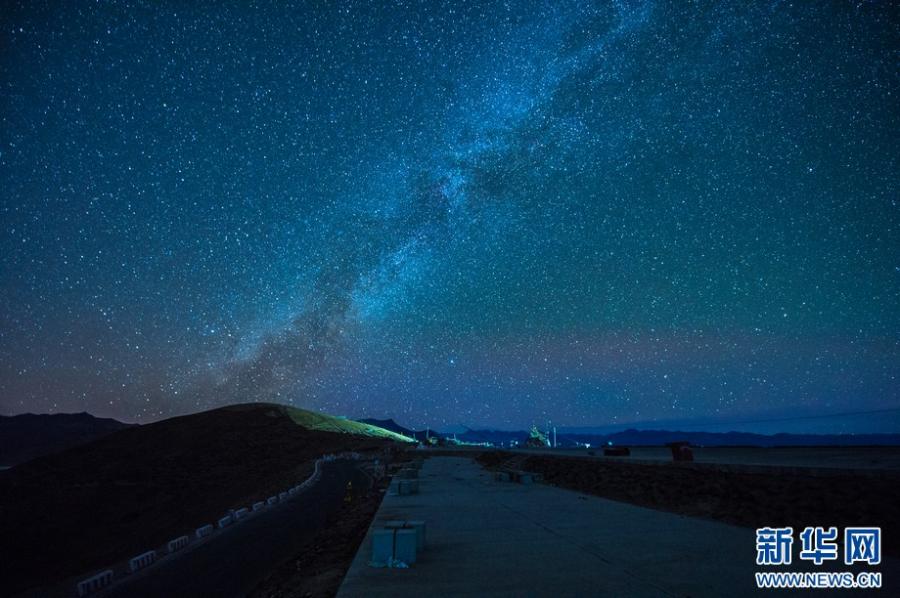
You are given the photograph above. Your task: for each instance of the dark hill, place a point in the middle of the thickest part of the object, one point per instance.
(27, 436)
(90, 506)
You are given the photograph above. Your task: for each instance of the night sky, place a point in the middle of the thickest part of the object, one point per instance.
(492, 213)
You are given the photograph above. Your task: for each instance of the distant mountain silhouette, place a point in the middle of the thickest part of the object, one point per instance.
(661, 437)
(28, 436)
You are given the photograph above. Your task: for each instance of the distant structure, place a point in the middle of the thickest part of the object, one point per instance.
(536, 439)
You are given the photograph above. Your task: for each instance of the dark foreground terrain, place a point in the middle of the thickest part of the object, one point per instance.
(232, 564)
(775, 497)
(318, 569)
(88, 507)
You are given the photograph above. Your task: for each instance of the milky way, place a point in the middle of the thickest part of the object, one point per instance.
(485, 213)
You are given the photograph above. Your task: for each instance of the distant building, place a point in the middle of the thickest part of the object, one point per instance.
(536, 439)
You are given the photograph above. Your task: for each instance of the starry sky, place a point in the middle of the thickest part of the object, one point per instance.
(489, 213)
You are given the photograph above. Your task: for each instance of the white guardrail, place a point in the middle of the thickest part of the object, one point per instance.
(105, 578)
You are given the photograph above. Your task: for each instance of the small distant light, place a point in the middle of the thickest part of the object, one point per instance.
(609, 442)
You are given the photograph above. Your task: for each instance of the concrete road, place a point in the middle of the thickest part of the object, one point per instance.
(489, 538)
(233, 563)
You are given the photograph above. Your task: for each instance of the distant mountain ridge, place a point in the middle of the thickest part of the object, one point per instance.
(661, 437)
(632, 437)
(28, 436)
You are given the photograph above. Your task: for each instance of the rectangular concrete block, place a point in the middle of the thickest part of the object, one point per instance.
(204, 531)
(272, 500)
(526, 478)
(178, 543)
(501, 476)
(419, 527)
(241, 513)
(405, 546)
(225, 521)
(257, 506)
(382, 546)
(397, 524)
(141, 560)
(94, 583)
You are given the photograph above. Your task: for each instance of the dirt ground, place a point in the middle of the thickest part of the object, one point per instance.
(318, 570)
(746, 499)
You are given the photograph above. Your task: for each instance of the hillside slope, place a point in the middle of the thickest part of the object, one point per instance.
(390, 424)
(327, 423)
(87, 507)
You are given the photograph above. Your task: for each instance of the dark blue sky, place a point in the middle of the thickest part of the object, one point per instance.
(494, 213)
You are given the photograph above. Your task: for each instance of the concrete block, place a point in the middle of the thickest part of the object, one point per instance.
(272, 500)
(526, 478)
(398, 524)
(501, 476)
(241, 513)
(419, 527)
(405, 545)
(141, 560)
(257, 506)
(94, 583)
(178, 543)
(382, 546)
(204, 531)
(226, 521)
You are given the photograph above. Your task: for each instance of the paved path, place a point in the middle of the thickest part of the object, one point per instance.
(487, 538)
(233, 563)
